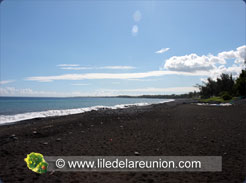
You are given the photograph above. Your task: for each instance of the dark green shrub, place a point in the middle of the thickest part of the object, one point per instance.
(226, 96)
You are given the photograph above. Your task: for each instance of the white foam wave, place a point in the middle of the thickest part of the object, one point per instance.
(4, 119)
(222, 104)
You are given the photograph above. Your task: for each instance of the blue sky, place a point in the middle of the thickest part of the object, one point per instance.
(75, 48)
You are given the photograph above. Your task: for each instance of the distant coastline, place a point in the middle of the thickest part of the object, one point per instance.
(172, 96)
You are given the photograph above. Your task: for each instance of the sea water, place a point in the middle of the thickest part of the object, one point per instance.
(13, 109)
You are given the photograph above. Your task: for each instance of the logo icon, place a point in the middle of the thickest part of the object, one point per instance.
(36, 163)
(60, 163)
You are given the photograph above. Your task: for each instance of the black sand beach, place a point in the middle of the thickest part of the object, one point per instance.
(172, 129)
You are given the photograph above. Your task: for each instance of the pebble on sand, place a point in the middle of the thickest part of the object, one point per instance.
(58, 139)
(13, 136)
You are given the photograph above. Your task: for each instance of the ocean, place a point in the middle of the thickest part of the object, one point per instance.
(14, 109)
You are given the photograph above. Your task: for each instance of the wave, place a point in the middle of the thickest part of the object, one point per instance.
(222, 104)
(4, 119)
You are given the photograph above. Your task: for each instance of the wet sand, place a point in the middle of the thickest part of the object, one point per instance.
(172, 129)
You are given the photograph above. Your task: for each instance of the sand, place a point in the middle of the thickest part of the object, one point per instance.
(173, 129)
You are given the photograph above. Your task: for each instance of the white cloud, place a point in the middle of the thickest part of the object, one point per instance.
(6, 82)
(239, 55)
(189, 63)
(163, 50)
(76, 68)
(204, 80)
(137, 16)
(227, 54)
(67, 65)
(11, 91)
(235, 70)
(135, 30)
(28, 92)
(80, 84)
(216, 59)
(111, 75)
(210, 64)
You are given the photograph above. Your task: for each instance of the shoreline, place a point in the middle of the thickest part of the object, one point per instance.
(176, 128)
(8, 119)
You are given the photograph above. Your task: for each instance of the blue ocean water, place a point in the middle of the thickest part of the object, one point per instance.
(14, 109)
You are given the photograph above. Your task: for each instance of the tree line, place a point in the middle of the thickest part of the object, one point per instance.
(224, 86)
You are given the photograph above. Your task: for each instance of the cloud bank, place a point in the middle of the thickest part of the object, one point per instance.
(6, 82)
(188, 65)
(67, 65)
(158, 90)
(11, 91)
(214, 65)
(110, 76)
